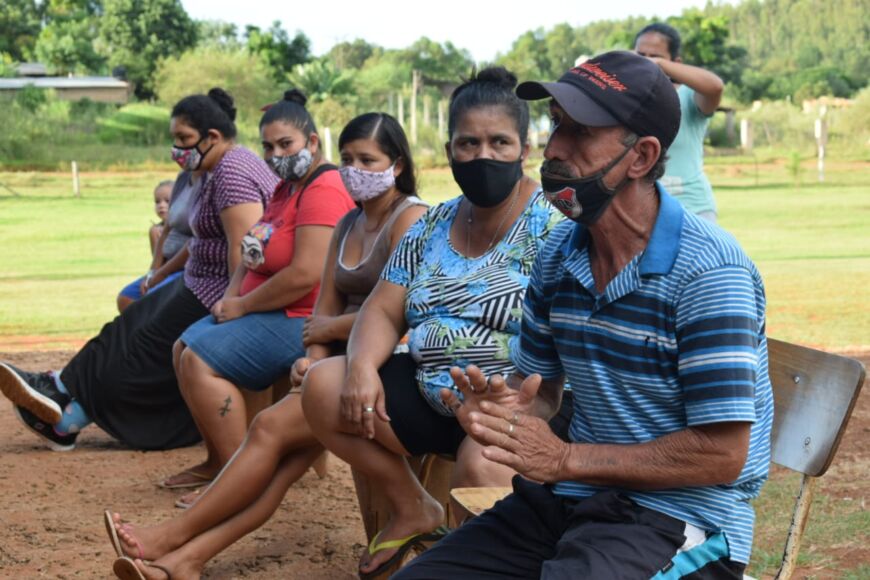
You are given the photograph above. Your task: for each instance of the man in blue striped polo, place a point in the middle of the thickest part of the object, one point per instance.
(656, 319)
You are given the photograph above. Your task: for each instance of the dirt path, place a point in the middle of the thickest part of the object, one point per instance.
(52, 503)
(50, 514)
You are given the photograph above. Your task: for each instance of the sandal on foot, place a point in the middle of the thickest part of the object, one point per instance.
(188, 499)
(126, 569)
(188, 477)
(403, 545)
(113, 535)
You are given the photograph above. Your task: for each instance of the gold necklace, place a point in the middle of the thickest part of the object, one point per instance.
(470, 220)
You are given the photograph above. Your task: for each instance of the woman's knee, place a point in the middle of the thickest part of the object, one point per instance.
(267, 426)
(178, 349)
(321, 389)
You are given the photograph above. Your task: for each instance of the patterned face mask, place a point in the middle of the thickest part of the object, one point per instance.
(189, 158)
(364, 185)
(292, 167)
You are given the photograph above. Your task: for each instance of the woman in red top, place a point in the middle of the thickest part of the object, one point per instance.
(378, 170)
(254, 333)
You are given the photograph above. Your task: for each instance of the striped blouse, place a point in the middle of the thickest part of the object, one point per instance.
(464, 310)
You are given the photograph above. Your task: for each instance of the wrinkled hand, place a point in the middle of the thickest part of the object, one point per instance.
(523, 442)
(298, 371)
(227, 309)
(317, 329)
(362, 398)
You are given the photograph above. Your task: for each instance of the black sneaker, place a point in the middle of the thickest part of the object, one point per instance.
(49, 436)
(36, 392)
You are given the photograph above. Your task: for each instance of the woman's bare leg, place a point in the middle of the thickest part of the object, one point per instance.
(188, 560)
(382, 459)
(218, 408)
(178, 350)
(279, 439)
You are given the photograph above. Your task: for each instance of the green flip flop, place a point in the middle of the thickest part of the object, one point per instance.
(403, 545)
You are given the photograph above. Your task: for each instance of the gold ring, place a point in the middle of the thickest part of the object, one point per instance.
(510, 429)
(368, 410)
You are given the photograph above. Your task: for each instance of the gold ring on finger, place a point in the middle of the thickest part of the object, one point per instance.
(510, 429)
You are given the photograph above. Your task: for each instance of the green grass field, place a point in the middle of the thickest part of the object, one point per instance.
(66, 258)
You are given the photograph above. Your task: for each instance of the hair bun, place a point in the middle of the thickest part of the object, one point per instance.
(295, 96)
(224, 101)
(497, 75)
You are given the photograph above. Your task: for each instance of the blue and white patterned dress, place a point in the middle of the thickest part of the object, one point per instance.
(465, 310)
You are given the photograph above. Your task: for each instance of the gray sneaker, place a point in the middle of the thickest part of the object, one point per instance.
(36, 392)
(45, 431)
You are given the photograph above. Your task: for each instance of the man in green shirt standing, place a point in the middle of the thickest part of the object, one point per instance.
(700, 92)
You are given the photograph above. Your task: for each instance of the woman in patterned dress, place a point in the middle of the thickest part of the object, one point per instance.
(455, 283)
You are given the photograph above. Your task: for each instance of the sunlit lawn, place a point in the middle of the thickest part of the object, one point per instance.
(65, 258)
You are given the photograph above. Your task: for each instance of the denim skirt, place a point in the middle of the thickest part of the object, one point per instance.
(252, 351)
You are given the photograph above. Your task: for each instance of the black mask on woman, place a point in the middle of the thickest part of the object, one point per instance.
(487, 182)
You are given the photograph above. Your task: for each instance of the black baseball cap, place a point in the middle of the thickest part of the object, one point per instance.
(615, 88)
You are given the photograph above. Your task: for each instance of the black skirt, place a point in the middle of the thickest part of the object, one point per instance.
(124, 378)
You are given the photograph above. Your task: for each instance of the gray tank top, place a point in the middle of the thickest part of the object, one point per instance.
(357, 282)
(183, 193)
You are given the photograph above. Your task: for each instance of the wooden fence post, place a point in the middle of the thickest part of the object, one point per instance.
(75, 180)
(415, 86)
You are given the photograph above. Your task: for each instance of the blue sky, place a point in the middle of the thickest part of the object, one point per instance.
(484, 27)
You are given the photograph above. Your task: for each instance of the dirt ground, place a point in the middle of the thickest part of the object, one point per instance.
(52, 503)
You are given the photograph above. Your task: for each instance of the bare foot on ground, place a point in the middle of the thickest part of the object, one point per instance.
(145, 542)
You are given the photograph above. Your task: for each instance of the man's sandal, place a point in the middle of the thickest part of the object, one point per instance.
(126, 569)
(404, 545)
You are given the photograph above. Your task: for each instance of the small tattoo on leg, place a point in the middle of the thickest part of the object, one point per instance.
(226, 408)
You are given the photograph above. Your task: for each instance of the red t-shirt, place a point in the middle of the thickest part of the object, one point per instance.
(268, 246)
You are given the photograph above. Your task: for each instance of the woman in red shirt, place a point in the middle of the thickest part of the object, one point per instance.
(378, 169)
(254, 333)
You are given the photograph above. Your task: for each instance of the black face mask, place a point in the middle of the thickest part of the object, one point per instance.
(582, 199)
(487, 182)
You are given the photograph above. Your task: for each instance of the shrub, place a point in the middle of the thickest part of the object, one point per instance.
(136, 123)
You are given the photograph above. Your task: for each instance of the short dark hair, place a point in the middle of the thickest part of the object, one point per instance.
(666, 30)
(291, 109)
(385, 130)
(206, 112)
(492, 86)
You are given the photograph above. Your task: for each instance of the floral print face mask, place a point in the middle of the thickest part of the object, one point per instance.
(189, 158)
(292, 167)
(364, 185)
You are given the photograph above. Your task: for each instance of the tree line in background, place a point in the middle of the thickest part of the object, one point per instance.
(769, 49)
(785, 50)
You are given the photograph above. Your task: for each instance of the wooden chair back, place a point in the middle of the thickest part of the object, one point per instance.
(814, 394)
